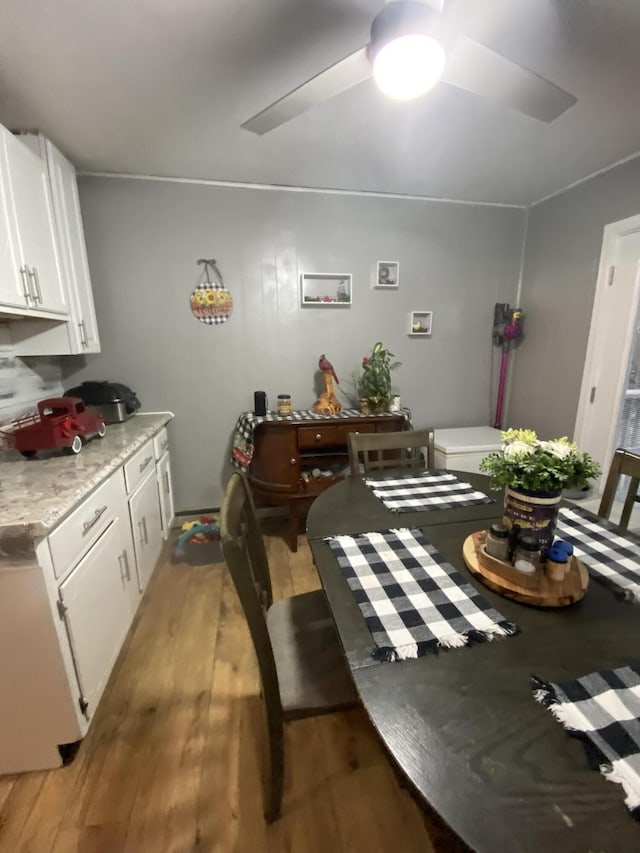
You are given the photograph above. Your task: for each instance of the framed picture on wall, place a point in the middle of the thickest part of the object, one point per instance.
(387, 274)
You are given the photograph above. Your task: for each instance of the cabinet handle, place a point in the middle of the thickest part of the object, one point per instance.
(86, 527)
(293, 461)
(141, 534)
(144, 464)
(83, 334)
(167, 487)
(24, 275)
(318, 437)
(124, 570)
(144, 527)
(126, 564)
(33, 274)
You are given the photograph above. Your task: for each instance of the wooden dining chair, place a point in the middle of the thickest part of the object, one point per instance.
(302, 666)
(624, 462)
(381, 451)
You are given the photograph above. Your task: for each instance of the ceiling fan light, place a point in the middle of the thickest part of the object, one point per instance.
(408, 66)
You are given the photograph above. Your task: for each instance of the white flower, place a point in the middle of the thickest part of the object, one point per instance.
(516, 449)
(559, 449)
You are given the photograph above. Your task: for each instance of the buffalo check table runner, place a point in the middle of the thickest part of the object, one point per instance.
(425, 491)
(603, 710)
(611, 555)
(412, 600)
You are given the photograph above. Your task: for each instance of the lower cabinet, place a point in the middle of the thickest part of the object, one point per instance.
(66, 605)
(146, 523)
(96, 605)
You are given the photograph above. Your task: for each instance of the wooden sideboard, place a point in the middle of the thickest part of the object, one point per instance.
(287, 452)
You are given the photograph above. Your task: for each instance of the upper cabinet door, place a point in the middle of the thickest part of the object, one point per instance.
(14, 288)
(36, 235)
(83, 330)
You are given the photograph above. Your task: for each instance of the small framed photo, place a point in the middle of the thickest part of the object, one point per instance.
(387, 274)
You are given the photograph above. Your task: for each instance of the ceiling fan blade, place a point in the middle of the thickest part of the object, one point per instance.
(478, 69)
(345, 74)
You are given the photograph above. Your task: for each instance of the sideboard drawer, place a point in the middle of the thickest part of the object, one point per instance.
(137, 468)
(328, 436)
(77, 533)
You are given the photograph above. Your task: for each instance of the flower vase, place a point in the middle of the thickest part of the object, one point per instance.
(535, 513)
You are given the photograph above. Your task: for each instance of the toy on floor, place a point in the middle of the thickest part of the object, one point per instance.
(199, 532)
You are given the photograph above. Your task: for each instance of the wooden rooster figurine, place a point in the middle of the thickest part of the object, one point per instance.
(328, 403)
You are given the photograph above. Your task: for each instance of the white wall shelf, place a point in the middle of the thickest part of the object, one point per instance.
(325, 290)
(420, 323)
(387, 275)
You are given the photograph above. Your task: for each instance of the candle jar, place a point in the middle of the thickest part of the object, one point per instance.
(557, 564)
(284, 404)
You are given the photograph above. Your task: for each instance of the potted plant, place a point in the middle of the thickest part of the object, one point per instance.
(534, 473)
(374, 383)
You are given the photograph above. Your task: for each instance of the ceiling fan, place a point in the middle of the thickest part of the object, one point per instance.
(406, 56)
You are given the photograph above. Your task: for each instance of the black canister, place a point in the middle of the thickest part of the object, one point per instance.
(259, 403)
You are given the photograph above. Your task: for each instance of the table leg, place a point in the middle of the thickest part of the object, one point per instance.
(294, 524)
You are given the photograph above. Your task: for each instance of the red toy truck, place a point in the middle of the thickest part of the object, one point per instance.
(61, 422)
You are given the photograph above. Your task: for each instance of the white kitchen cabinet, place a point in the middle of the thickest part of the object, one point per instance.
(95, 604)
(68, 597)
(14, 290)
(165, 491)
(80, 333)
(163, 475)
(146, 524)
(32, 230)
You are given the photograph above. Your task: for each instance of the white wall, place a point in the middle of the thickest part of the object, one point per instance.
(144, 238)
(564, 240)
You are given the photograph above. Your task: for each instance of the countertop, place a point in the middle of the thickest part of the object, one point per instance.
(36, 494)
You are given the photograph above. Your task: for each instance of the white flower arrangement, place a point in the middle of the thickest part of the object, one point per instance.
(526, 462)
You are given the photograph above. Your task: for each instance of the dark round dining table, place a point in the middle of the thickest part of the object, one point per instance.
(462, 725)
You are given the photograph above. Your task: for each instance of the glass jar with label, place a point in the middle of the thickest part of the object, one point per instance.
(527, 557)
(497, 542)
(284, 404)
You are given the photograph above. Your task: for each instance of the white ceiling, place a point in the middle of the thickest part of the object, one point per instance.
(161, 87)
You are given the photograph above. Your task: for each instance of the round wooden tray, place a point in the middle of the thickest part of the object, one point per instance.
(535, 589)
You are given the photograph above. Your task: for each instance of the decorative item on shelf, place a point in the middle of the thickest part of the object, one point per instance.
(387, 274)
(322, 290)
(374, 382)
(211, 302)
(535, 472)
(327, 403)
(420, 323)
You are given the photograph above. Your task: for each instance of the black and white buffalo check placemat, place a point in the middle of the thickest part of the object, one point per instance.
(611, 556)
(603, 710)
(412, 600)
(425, 491)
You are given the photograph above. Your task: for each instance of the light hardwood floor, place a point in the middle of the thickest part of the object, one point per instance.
(172, 760)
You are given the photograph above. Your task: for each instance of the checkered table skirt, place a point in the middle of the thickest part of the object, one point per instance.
(427, 491)
(412, 600)
(611, 555)
(603, 710)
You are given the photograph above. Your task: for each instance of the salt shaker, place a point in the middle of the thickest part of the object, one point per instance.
(527, 557)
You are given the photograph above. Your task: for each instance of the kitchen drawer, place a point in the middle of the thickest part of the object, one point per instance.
(160, 444)
(137, 468)
(77, 533)
(329, 436)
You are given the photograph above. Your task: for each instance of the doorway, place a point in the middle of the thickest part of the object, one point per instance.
(609, 406)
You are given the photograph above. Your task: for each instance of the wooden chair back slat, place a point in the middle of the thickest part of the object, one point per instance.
(400, 451)
(624, 462)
